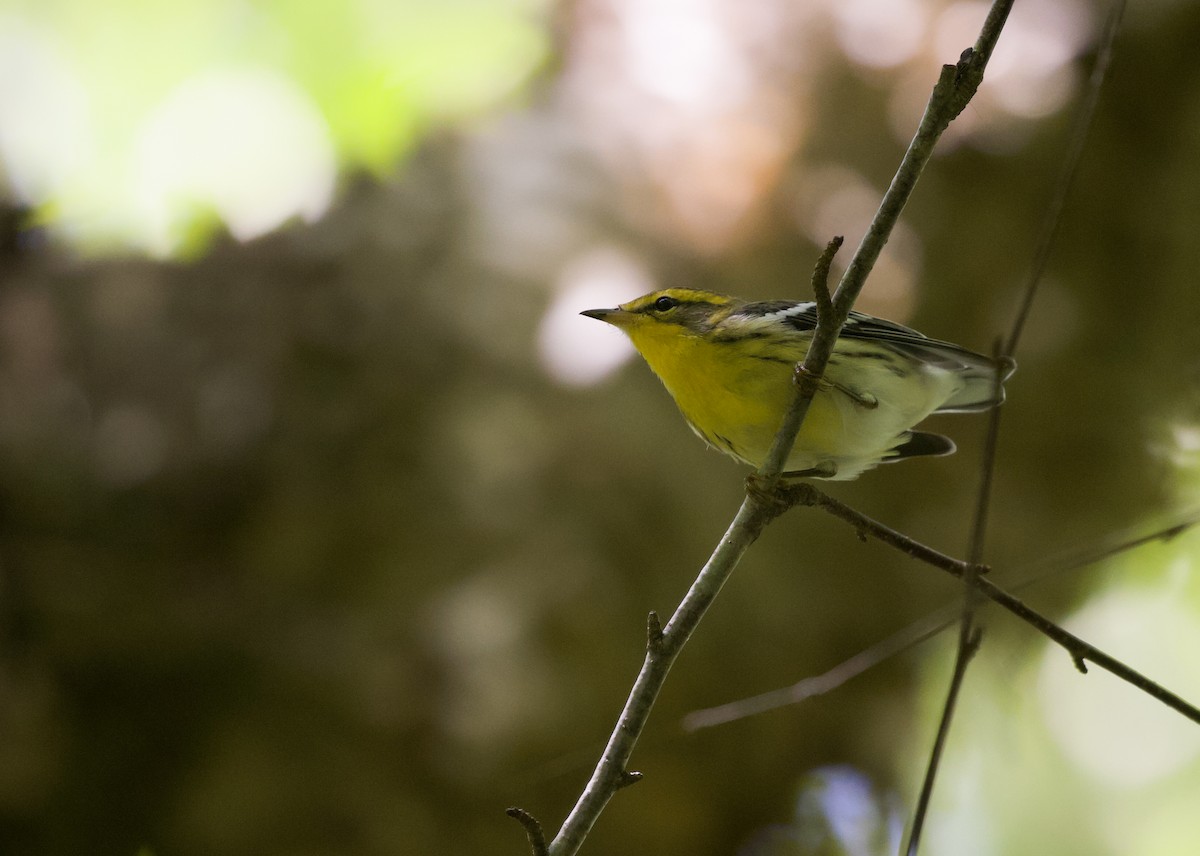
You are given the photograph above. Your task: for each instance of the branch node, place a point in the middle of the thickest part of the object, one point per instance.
(774, 498)
(654, 633)
(806, 380)
(974, 640)
(1080, 663)
(1175, 531)
(968, 74)
(533, 829)
(755, 510)
(628, 777)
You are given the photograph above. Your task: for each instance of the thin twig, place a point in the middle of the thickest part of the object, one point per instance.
(610, 774)
(966, 652)
(533, 829)
(809, 372)
(1083, 652)
(820, 277)
(664, 643)
(917, 632)
(987, 467)
(1066, 178)
(1079, 650)
(828, 681)
(970, 636)
(1054, 565)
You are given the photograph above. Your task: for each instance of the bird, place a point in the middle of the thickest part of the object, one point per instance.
(729, 365)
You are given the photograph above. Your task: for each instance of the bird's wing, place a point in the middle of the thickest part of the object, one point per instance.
(978, 370)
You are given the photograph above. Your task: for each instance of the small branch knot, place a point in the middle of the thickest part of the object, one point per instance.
(1080, 663)
(973, 643)
(1175, 531)
(628, 777)
(968, 74)
(654, 633)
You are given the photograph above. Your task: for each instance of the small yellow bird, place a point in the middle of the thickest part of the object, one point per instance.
(728, 364)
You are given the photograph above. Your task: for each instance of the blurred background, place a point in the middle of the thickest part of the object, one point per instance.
(327, 525)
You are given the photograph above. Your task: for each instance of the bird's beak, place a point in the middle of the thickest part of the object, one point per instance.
(615, 316)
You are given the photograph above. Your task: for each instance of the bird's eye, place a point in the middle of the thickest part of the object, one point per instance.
(665, 303)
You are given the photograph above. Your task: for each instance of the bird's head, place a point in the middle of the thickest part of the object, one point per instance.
(667, 314)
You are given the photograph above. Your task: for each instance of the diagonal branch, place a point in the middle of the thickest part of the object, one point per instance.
(922, 629)
(1080, 651)
(970, 635)
(955, 86)
(1066, 178)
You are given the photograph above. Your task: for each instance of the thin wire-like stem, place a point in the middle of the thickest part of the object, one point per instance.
(611, 773)
(970, 636)
(827, 681)
(967, 649)
(1066, 177)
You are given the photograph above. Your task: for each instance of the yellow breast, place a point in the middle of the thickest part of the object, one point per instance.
(734, 399)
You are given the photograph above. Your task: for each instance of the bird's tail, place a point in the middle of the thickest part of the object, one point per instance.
(980, 391)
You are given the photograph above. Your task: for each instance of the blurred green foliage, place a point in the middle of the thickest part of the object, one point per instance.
(303, 551)
(381, 74)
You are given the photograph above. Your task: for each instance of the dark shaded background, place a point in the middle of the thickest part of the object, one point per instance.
(303, 551)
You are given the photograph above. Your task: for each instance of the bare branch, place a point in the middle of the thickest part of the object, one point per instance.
(816, 685)
(1079, 650)
(808, 373)
(1082, 652)
(922, 629)
(970, 635)
(950, 94)
(966, 652)
(1079, 135)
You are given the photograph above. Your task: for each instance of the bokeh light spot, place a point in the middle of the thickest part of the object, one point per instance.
(130, 445)
(579, 351)
(880, 33)
(247, 144)
(44, 130)
(1121, 737)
